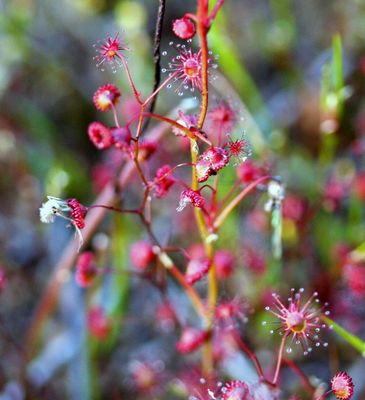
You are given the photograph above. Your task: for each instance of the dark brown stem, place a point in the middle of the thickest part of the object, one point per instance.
(157, 54)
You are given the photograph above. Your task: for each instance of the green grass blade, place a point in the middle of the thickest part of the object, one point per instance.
(353, 340)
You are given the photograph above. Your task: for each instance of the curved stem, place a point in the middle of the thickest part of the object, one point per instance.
(130, 80)
(280, 356)
(227, 210)
(188, 132)
(116, 209)
(163, 84)
(190, 291)
(202, 18)
(115, 115)
(242, 345)
(201, 21)
(215, 10)
(306, 382)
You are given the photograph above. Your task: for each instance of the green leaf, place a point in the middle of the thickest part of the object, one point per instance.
(276, 238)
(353, 340)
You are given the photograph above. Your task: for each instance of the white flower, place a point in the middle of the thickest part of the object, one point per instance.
(184, 201)
(51, 208)
(276, 193)
(276, 190)
(55, 207)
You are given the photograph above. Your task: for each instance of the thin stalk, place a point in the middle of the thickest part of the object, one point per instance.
(157, 50)
(163, 84)
(306, 382)
(130, 80)
(201, 21)
(188, 132)
(215, 10)
(115, 115)
(190, 291)
(202, 18)
(229, 208)
(116, 209)
(280, 357)
(243, 346)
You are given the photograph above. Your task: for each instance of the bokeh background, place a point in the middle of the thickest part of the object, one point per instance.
(296, 70)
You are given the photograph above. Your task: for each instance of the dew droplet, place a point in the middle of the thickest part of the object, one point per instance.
(271, 331)
(318, 344)
(169, 86)
(163, 70)
(202, 381)
(289, 350)
(263, 323)
(327, 313)
(164, 53)
(267, 308)
(325, 344)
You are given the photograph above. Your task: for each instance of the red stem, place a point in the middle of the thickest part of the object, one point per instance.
(202, 30)
(280, 356)
(306, 383)
(213, 13)
(249, 352)
(223, 215)
(130, 80)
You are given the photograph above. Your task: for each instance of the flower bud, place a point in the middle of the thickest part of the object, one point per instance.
(224, 263)
(184, 28)
(121, 137)
(99, 323)
(142, 255)
(85, 269)
(235, 390)
(106, 97)
(196, 270)
(342, 386)
(100, 135)
(191, 339)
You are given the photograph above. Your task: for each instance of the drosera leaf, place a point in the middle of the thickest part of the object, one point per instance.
(276, 238)
(359, 253)
(350, 338)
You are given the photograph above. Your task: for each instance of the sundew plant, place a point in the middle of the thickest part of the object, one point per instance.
(202, 269)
